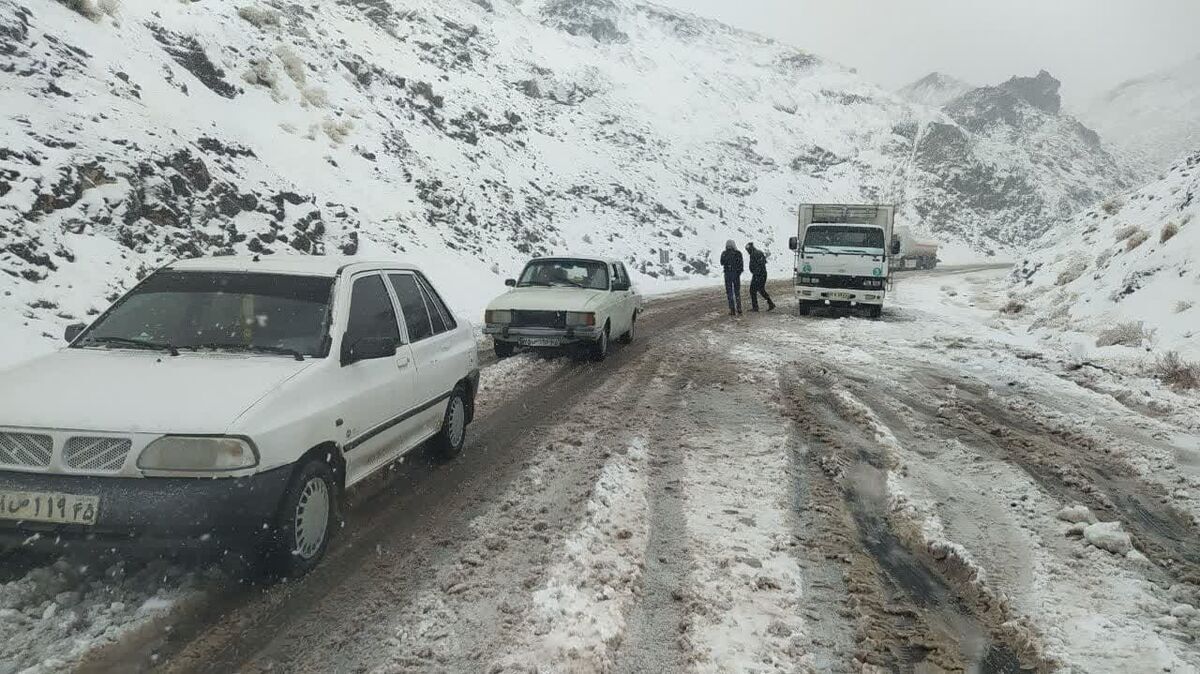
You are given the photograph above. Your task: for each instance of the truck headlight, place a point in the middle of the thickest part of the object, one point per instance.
(581, 318)
(198, 454)
(497, 316)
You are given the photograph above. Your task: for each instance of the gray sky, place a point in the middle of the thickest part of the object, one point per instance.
(1091, 45)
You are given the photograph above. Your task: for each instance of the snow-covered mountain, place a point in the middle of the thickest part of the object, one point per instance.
(470, 134)
(1152, 121)
(935, 90)
(1132, 258)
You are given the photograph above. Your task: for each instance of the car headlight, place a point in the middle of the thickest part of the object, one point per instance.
(198, 454)
(581, 318)
(499, 316)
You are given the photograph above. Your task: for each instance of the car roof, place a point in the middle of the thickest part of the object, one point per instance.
(587, 258)
(301, 265)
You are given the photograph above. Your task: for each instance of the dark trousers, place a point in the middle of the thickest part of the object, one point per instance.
(733, 292)
(758, 286)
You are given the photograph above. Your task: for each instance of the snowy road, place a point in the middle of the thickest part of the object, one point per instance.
(936, 491)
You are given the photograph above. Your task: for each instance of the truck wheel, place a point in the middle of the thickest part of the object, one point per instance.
(598, 351)
(627, 338)
(874, 311)
(803, 307)
(304, 524)
(450, 440)
(503, 349)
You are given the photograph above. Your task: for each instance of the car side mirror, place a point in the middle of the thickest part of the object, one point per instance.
(896, 247)
(367, 348)
(510, 282)
(73, 330)
(793, 243)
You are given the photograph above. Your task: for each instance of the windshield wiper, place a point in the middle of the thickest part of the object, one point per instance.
(822, 249)
(533, 283)
(129, 341)
(260, 348)
(577, 284)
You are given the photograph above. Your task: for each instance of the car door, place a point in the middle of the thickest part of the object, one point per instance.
(380, 391)
(433, 348)
(622, 300)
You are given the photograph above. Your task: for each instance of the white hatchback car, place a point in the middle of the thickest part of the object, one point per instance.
(565, 302)
(233, 400)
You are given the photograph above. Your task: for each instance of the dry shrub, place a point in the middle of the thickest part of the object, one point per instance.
(1169, 231)
(259, 17)
(1073, 271)
(1103, 258)
(1139, 237)
(1183, 305)
(1013, 307)
(1132, 333)
(1111, 206)
(1126, 232)
(1177, 372)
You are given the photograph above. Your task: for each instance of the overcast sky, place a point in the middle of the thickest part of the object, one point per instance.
(1091, 45)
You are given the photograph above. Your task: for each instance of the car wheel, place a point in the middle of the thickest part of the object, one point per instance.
(599, 348)
(449, 441)
(305, 522)
(503, 349)
(627, 338)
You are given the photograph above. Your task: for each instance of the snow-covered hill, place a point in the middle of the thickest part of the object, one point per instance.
(935, 90)
(1133, 258)
(468, 134)
(1153, 120)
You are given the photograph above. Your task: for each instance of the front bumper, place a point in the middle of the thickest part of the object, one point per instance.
(849, 296)
(543, 336)
(166, 512)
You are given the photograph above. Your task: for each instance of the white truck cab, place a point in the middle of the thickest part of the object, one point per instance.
(232, 399)
(842, 256)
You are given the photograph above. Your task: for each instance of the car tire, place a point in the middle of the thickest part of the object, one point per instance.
(503, 349)
(305, 522)
(449, 441)
(627, 338)
(598, 350)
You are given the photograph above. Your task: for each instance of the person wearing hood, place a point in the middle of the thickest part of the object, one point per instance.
(758, 278)
(732, 263)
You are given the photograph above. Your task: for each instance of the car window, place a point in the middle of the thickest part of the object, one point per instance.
(565, 272)
(619, 275)
(416, 315)
(436, 305)
(624, 274)
(371, 312)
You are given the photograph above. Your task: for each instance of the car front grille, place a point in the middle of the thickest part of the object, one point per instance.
(844, 282)
(88, 453)
(539, 319)
(29, 450)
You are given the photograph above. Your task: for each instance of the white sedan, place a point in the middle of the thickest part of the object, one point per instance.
(557, 302)
(232, 401)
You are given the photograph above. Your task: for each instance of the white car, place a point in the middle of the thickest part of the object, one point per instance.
(557, 302)
(232, 400)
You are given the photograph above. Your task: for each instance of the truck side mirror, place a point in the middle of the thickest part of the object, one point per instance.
(895, 246)
(510, 282)
(794, 243)
(73, 330)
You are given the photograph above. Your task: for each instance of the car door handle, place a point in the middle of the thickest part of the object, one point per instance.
(403, 362)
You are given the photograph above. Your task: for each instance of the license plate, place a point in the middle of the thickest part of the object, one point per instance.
(841, 296)
(539, 341)
(49, 507)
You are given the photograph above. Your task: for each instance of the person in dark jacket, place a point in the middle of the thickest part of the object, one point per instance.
(758, 278)
(731, 261)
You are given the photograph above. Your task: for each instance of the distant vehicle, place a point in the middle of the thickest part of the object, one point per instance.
(914, 253)
(842, 253)
(231, 401)
(556, 302)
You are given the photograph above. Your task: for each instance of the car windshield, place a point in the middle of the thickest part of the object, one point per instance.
(578, 273)
(842, 236)
(219, 311)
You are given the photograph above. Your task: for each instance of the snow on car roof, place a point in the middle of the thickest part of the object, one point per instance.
(316, 265)
(588, 258)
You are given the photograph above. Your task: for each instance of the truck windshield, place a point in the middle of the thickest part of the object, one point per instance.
(844, 236)
(270, 313)
(579, 273)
